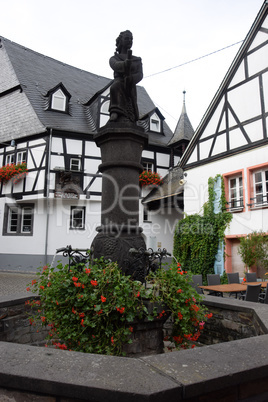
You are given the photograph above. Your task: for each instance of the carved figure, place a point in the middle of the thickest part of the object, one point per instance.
(127, 73)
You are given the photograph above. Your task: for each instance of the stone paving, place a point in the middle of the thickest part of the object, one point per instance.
(14, 284)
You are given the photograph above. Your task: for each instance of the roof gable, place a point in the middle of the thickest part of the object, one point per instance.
(38, 75)
(236, 118)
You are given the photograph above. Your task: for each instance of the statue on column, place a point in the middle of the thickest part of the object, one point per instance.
(127, 73)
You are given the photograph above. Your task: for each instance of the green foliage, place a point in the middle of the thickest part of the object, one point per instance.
(89, 310)
(182, 302)
(197, 236)
(224, 278)
(92, 309)
(253, 249)
(13, 172)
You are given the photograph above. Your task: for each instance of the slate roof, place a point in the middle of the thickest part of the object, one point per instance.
(172, 185)
(37, 74)
(184, 129)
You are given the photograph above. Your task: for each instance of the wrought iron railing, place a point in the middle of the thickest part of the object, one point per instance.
(76, 256)
(259, 201)
(235, 205)
(153, 258)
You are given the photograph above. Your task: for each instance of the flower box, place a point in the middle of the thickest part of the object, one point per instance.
(148, 178)
(14, 172)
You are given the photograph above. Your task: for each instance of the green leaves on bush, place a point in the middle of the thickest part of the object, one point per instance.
(92, 309)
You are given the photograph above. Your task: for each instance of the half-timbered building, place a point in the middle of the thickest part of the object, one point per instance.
(49, 113)
(232, 140)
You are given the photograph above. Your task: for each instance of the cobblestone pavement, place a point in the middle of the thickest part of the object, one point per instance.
(14, 284)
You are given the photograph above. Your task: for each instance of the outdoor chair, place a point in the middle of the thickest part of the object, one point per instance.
(263, 298)
(252, 293)
(197, 280)
(233, 278)
(251, 277)
(214, 279)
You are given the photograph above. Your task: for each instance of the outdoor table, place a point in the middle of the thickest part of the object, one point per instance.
(227, 288)
(263, 284)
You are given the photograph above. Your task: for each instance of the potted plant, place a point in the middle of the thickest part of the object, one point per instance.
(149, 178)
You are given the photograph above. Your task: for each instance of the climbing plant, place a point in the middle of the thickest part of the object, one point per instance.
(197, 236)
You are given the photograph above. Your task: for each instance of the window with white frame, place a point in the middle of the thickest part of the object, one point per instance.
(58, 101)
(260, 185)
(236, 192)
(13, 220)
(77, 218)
(155, 123)
(26, 220)
(21, 156)
(146, 215)
(104, 113)
(18, 220)
(10, 158)
(147, 166)
(75, 164)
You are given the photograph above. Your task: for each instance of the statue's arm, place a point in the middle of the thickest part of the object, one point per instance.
(137, 76)
(117, 65)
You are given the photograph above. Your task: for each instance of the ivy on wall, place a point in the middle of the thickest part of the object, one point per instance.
(197, 237)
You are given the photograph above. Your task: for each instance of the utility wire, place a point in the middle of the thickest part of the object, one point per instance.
(191, 61)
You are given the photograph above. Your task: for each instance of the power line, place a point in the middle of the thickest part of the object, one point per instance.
(191, 61)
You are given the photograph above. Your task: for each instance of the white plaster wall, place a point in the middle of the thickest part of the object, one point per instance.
(60, 234)
(159, 231)
(195, 190)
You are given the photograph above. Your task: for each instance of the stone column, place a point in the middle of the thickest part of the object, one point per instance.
(121, 148)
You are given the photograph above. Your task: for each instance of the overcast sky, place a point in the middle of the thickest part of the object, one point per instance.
(167, 33)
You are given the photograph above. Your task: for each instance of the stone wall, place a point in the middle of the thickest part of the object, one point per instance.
(228, 325)
(229, 371)
(15, 325)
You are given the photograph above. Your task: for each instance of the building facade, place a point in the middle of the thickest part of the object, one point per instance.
(232, 140)
(49, 113)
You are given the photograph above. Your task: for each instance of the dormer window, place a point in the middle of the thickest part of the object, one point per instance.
(58, 98)
(155, 126)
(155, 123)
(58, 101)
(104, 112)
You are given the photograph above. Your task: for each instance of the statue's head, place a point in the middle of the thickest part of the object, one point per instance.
(123, 36)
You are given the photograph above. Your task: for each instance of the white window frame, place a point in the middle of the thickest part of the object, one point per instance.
(26, 215)
(58, 101)
(148, 166)
(260, 187)
(18, 220)
(21, 156)
(73, 219)
(10, 159)
(236, 201)
(155, 123)
(146, 215)
(73, 166)
(104, 112)
(11, 219)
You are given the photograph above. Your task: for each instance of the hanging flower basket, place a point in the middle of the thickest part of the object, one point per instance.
(148, 178)
(14, 172)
